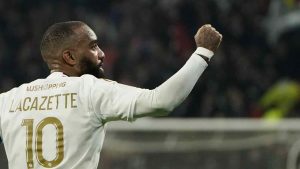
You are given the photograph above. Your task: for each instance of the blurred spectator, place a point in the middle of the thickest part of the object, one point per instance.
(281, 100)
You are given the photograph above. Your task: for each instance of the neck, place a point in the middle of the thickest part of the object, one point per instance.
(56, 65)
(67, 72)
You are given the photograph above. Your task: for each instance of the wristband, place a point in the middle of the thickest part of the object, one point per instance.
(203, 57)
(204, 52)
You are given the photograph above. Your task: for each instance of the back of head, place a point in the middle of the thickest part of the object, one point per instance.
(58, 37)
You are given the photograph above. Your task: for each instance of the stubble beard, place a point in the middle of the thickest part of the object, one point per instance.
(88, 67)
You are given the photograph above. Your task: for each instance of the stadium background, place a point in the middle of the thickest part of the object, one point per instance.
(255, 74)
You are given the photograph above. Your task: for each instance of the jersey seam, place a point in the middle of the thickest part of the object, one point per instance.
(93, 108)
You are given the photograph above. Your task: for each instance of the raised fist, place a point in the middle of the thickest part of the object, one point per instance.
(208, 37)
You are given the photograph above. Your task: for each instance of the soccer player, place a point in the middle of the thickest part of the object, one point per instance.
(59, 122)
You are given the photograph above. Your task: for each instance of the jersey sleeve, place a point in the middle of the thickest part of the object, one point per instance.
(114, 101)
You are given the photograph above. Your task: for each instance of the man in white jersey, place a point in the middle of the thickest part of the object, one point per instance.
(59, 122)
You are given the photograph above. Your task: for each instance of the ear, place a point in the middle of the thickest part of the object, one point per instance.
(69, 57)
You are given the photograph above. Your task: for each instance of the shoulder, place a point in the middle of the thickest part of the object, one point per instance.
(10, 92)
(96, 86)
(92, 80)
(6, 97)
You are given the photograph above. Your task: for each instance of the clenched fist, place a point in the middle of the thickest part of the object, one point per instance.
(208, 37)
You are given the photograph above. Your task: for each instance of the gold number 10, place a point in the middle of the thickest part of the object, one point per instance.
(28, 123)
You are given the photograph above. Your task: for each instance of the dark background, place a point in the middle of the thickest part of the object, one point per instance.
(145, 42)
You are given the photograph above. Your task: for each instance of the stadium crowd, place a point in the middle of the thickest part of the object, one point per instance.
(145, 42)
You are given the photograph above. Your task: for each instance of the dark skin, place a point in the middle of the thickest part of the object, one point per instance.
(208, 37)
(82, 56)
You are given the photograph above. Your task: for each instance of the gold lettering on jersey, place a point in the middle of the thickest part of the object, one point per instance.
(66, 99)
(26, 107)
(48, 86)
(19, 107)
(11, 106)
(73, 100)
(49, 103)
(43, 103)
(34, 104)
(58, 95)
(44, 98)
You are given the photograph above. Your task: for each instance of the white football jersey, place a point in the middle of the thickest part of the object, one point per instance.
(58, 122)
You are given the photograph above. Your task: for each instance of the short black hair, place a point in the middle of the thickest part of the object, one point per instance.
(57, 35)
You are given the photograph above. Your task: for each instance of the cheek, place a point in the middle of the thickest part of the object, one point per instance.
(92, 56)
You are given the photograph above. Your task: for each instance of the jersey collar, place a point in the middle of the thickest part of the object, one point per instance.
(56, 75)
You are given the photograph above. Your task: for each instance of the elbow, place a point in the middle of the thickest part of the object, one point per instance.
(164, 110)
(164, 107)
(160, 112)
(166, 102)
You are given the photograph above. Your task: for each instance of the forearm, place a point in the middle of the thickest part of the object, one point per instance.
(172, 92)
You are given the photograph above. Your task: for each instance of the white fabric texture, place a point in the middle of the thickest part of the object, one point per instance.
(82, 105)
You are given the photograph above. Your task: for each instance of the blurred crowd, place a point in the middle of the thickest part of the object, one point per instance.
(146, 42)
